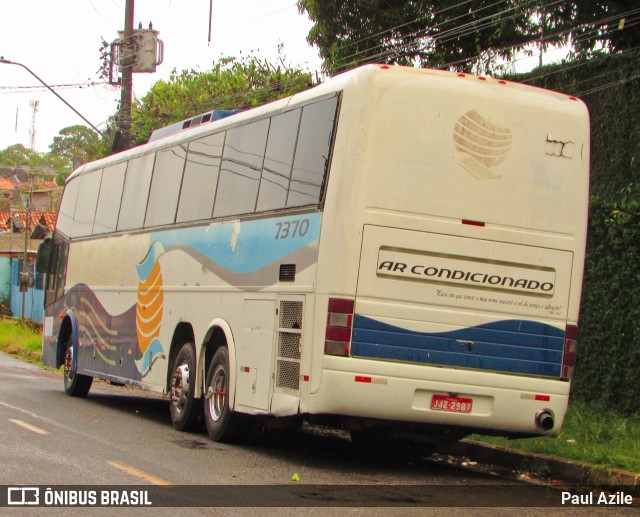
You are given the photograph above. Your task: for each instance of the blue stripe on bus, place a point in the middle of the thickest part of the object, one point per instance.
(514, 346)
(246, 246)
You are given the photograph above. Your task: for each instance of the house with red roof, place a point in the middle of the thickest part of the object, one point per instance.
(21, 232)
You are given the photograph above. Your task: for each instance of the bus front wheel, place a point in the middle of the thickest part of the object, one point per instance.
(223, 425)
(75, 384)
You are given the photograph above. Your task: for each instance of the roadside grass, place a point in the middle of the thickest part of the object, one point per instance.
(21, 339)
(590, 434)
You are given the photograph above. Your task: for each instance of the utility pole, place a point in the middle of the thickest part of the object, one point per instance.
(124, 124)
(135, 50)
(26, 280)
(32, 132)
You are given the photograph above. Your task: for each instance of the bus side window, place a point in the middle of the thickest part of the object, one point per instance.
(200, 178)
(278, 161)
(86, 205)
(136, 192)
(165, 186)
(61, 265)
(109, 198)
(54, 286)
(68, 207)
(241, 168)
(312, 152)
(50, 271)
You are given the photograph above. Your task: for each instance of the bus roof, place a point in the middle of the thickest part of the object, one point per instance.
(355, 77)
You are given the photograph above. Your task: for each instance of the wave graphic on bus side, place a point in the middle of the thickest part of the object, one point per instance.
(92, 324)
(149, 307)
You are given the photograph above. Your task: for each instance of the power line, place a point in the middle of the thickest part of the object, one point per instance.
(613, 84)
(595, 33)
(237, 95)
(436, 33)
(38, 88)
(8, 62)
(387, 51)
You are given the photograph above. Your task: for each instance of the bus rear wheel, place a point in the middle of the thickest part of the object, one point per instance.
(75, 384)
(184, 408)
(223, 425)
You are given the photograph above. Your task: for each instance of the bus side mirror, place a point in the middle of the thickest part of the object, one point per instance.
(44, 258)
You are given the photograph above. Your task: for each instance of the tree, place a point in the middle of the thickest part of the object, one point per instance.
(77, 145)
(16, 154)
(231, 84)
(423, 33)
(464, 35)
(608, 24)
(21, 164)
(74, 145)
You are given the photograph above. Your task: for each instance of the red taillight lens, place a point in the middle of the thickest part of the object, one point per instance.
(341, 305)
(339, 325)
(569, 355)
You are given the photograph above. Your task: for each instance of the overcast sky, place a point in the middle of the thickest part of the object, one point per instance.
(60, 42)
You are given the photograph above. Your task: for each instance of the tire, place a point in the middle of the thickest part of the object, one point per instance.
(185, 409)
(75, 384)
(223, 425)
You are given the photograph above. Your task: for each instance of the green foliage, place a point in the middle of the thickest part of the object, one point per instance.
(608, 83)
(74, 145)
(22, 162)
(472, 35)
(78, 144)
(467, 35)
(605, 24)
(608, 366)
(231, 84)
(16, 335)
(591, 435)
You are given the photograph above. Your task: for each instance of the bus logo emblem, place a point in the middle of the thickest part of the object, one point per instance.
(483, 144)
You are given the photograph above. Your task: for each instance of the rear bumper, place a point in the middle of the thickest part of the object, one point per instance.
(403, 393)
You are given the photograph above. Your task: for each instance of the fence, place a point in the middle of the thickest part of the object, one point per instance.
(33, 298)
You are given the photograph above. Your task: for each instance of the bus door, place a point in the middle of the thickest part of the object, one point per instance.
(255, 354)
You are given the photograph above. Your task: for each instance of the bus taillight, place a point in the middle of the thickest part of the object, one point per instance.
(569, 355)
(339, 324)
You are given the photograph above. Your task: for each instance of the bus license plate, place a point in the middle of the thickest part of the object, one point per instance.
(449, 403)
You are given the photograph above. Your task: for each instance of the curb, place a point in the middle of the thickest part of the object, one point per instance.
(24, 354)
(558, 470)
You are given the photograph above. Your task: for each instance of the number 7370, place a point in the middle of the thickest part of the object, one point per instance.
(292, 229)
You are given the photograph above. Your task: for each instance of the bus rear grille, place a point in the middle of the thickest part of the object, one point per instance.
(290, 315)
(289, 345)
(289, 336)
(288, 375)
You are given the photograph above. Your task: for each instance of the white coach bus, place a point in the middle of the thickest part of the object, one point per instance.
(396, 251)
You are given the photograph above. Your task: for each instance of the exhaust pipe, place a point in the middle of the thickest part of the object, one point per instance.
(545, 419)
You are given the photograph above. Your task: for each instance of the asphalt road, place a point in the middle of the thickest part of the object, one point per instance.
(122, 436)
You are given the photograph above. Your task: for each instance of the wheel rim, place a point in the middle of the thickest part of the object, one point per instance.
(218, 392)
(180, 387)
(68, 364)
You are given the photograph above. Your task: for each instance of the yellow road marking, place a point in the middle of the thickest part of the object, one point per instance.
(30, 427)
(141, 474)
